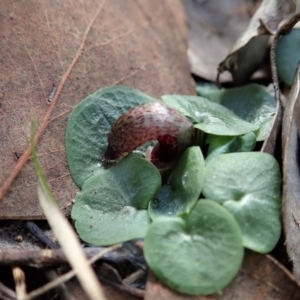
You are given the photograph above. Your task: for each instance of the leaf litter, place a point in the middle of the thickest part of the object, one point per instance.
(269, 283)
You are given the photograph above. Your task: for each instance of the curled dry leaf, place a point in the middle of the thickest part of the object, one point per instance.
(291, 175)
(250, 50)
(214, 26)
(137, 43)
(270, 142)
(269, 145)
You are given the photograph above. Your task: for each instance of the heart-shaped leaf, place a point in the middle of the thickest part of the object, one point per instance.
(112, 206)
(249, 186)
(210, 117)
(288, 55)
(197, 254)
(184, 186)
(250, 102)
(89, 125)
(227, 144)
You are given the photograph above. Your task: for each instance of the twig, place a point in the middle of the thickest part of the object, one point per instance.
(134, 277)
(6, 293)
(20, 284)
(66, 276)
(26, 155)
(56, 257)
(124, 288)
(38, 233)
(109, 271)
(61, 289)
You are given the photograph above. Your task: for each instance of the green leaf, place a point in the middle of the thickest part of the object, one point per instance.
(288, 55)
(250, 102)
(89, 125)
(210, 117)
(112, 206)
(227, 144)
(249, 186)
(184, 186)
(198, 254)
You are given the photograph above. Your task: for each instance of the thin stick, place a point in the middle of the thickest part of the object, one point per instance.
(26, 155)
(61, 289)
(6, 292)
(66, 276)
(50, 257)
(124, 288)
(134, 277)
(38, 233)
(20, 284)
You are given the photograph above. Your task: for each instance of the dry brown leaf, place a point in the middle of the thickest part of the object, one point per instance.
(297, 116)
(291, 176)
(259, 278)
(140, 43)
(251, 49)
(270, 143)
(214, 26)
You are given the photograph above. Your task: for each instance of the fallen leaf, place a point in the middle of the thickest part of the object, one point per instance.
(291, 176)
(215, 26)
(79, 47)
(270, 143)
(251, 49)
(260, 277)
